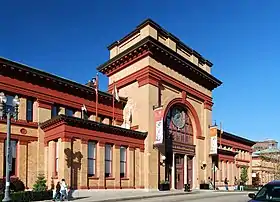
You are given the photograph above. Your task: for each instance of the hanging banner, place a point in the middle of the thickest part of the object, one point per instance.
(213, 141)
(158, 115)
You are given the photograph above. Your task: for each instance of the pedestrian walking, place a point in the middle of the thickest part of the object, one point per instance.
(241, 185)
(211, 186)
(226, 183)
(235, 183)
(57, 192)
(63, 190)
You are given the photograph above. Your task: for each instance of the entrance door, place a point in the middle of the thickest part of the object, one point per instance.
(190, 172)
(179, 172)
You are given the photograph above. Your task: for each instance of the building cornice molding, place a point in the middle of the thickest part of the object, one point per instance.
(153, 48)
(91, 125)
(150, 75)
(162, 32)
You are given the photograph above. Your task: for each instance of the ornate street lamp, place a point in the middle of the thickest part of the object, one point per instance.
(8, 113)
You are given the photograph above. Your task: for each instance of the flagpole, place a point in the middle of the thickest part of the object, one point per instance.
(113, 120)
(96, 95)
(221, 135)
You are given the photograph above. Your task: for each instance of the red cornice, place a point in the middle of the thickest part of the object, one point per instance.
(208, 105)
(52, 96)
(134, 127)
(128, 60)
(150, 75)
(235, 145)
(21, 138)
(243, 160)
(45, 104)
(22, 123)
(66, 133)
(225, 158)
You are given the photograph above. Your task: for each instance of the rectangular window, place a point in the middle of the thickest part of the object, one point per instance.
(56, 159)
(13, 149)
(108, 160)
(123, 161)
(69, 112)
(9, 103)
(55, 110)
(91, 158)
(29, 110)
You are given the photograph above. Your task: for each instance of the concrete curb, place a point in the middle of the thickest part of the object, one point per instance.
(193, 195)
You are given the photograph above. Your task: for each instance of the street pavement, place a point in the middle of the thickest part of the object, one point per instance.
(228, 198)
(172, 196)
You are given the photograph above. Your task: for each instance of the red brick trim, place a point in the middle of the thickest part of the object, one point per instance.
(234, 144)
(50, 95)
(200, 137)
(136, 127)
(21, 138)
(223, 157)
(110, 178)
(242, 160)
(151, 75)
(192, 111)
(184, 96)
(93, 178)
(208, 105)
(122, 66)
(45, 104)
(22, 123)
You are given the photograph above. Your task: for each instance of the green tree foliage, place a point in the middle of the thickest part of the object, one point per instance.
(40, 184)
(244, 174)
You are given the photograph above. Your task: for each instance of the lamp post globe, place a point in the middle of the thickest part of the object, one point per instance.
(3, 98)
(8, 114)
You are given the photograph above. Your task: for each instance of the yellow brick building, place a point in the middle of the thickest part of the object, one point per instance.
(152, 70)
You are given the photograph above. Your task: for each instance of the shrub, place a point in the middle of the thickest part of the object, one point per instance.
(16, 184)
(40, 184)
(29, 196)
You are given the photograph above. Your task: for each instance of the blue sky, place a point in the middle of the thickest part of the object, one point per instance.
(70, 38)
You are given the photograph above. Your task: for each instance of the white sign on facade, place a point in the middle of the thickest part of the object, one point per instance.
(214, 145)
(158, 113)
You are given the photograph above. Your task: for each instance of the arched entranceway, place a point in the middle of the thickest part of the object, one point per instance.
(179, 146)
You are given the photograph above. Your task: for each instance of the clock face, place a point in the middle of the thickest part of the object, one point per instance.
(178, 118)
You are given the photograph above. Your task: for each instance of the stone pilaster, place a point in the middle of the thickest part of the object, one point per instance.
(137, 168)
(64, 160)
(100, 163)
(84, 164)
(116, 165)
(22, 109)
(22, 161)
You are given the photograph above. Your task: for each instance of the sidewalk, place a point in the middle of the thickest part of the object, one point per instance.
(125, 195)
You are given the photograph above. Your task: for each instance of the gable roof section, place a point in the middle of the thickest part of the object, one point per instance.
(15, 69)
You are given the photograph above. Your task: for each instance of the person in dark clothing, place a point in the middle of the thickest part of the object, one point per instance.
(57, 191)
(226, 183)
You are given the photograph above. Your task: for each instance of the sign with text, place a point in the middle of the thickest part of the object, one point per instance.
(158, 116)
(213, 141)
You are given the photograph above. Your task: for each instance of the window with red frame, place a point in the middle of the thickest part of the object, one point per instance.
(123, 161)
(108, 160)
(91, 158)
(13, 150)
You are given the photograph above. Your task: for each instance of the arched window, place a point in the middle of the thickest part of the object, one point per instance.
(179, 125)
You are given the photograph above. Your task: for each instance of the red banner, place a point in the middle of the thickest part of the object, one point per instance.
(158, 115)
